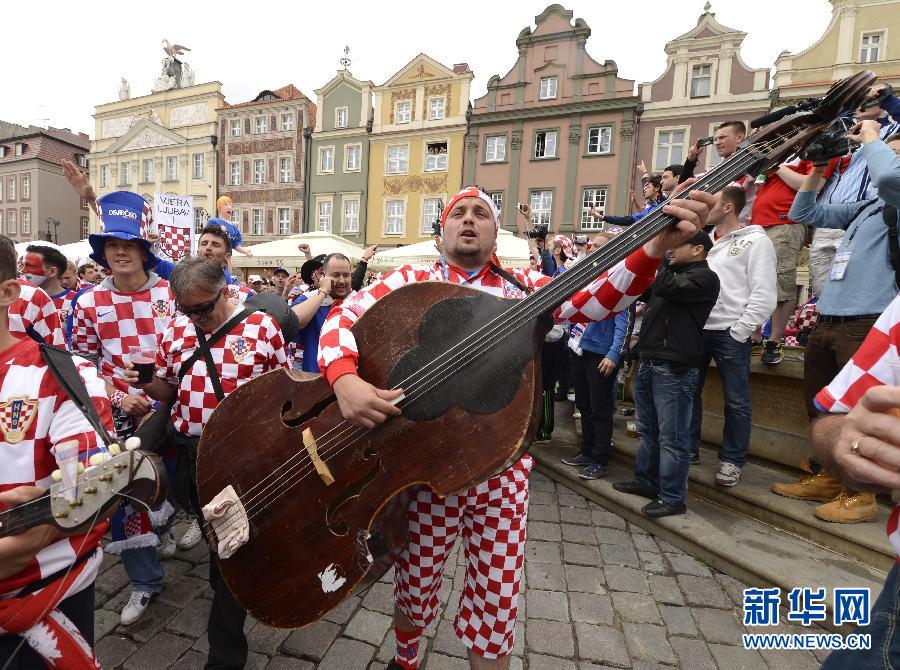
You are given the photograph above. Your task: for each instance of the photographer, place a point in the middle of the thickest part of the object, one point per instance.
(860, 285)
(539, 240)
(653, 193)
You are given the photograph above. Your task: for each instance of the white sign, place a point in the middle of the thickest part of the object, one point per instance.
(173, 218)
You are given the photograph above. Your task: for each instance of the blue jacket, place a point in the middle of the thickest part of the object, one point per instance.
(632, 218)
(610, 337)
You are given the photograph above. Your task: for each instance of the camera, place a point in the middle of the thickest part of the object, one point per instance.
(885, 92)
(436, 228)
(538, 232)
(705, 141)
(580, 239)
(833, 141)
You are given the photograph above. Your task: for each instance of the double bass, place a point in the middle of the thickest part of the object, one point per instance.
(322, 501)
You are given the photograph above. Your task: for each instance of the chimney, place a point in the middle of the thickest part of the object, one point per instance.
(461, 68)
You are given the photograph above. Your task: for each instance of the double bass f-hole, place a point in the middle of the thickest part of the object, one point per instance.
(353, 490)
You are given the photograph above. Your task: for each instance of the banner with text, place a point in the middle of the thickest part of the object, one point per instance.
(173, 216)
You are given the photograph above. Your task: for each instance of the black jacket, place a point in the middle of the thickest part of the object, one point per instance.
(678, 303)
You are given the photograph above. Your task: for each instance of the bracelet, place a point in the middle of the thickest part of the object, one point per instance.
(322, 292)
(116, 399)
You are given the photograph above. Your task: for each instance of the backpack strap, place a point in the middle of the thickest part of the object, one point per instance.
(890, 220)
(206, 344)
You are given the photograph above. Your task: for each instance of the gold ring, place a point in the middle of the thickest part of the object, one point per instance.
(854, 447)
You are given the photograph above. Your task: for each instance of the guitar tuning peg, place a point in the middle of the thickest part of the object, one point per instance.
(98, 458)
(114, 449)
(133, 443)
(56, 476)
(80, 468)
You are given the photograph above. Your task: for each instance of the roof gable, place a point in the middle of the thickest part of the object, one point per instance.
(145, 134)
(422, 68)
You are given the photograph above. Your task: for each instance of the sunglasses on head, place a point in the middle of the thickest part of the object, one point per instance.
(202, 309)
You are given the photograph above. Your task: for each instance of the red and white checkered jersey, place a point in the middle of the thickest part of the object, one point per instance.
(610, 293)
(239, 292)
(35, 308)
(35, 415)
(875, 363)
(63, 302)
(107, 322)
(251, 348)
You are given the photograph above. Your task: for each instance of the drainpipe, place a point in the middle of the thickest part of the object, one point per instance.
(307, 153)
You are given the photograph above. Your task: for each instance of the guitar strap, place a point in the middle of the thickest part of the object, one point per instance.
(511, 278)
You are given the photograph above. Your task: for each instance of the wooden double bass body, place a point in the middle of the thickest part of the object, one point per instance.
(255, 439)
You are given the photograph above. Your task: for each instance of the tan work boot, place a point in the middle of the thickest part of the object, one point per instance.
(822, 487)
(849, 507)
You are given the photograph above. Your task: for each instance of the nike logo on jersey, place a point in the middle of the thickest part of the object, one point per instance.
(106, 313)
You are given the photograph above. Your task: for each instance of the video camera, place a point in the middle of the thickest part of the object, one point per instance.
(833, 141)
(580, 239)
(539, 232)
(884, 93)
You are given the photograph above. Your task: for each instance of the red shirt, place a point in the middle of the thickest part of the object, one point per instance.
(774, 198)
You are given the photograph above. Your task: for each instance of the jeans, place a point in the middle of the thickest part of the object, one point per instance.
(143, 566)
(733, 363)
(595, 399)
(663, 408)
(885, 651)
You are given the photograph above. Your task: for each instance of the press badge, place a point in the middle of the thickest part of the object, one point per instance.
(839, 265)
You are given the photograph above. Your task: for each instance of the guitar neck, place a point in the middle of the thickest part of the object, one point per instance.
(33, 513)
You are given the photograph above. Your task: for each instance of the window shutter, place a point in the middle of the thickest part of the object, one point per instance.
(246, 126)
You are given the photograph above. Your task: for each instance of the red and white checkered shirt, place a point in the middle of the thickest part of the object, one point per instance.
(610, 293)
(35, 308)
(875, 363)
(35, 415)
(107, 322)
(63, 302)
(251, 348)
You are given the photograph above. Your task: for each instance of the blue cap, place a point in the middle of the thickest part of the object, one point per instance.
(123, 215)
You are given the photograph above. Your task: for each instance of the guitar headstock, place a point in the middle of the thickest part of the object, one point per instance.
(140, 475)
(775, 143)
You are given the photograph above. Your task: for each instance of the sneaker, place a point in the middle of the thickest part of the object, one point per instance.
(849, 508)
(578, 460)
(576, 414)
(695, 459)
(166, 548)
(660, 508)
(820, 486)
(570, 397)
(191, 536)
(634, 488)
(135, 607)
(728, 475)
(594, 471)
(756, 349)
(771, 354)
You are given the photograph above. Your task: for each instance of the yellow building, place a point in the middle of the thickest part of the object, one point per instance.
(159, 143)
(416, 149)
(857, 37)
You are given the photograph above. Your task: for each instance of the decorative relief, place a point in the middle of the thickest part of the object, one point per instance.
(415, 184)
(267, 195)
(117, 127)
(516, 140)
(405, 94)
(574, 134)
(626, 132)
(422, 73)
(188, 115)
(147, 139)
(439, 89)
(472, 145)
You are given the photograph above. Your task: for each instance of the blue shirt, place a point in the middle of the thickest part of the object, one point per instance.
(164, 270)
(308, 337)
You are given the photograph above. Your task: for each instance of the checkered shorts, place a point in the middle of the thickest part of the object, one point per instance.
(492, 518)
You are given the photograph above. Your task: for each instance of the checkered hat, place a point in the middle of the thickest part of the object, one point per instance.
(126, 216)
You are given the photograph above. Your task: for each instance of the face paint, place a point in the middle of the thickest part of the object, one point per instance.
(33, 269)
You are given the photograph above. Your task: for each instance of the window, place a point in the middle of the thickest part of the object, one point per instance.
(497, 197)
(11, 223)
(436, 108)
(259, 171)
(235, 127)
(396, 217)
(82, 160)
(287, 121)
(125, 173)
(495, 149)
(11, 189)
(235, 217)
(545, 144)
(257, 222)
(870, 47)
(199, 219)
(197, 166)
(284, 169)
(104, 176)
(26, 187)
(234, 173)
(341, 114)
(351, 216)
(26, 222)
(404, 111)
(171, 168)
(326, 159)
(431, 212)
(284, 221)
(84, 227)
(700, 78)
(352, 157)
(596, 198)
(398, 159)
(548, 88)
(670, 148)
(435, 156)
(260, 125)
(324, 223)
(541, 206)
(599, 140)
(84, 203)
(147, 170)
(20, 149)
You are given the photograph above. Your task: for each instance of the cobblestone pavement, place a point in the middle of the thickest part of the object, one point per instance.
(598, 593)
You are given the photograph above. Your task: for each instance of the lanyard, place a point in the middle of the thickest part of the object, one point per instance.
(471, 276)
(875, 211)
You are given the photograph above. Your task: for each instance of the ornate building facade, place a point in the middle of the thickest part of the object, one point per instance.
(159, 143)
(555, 131)
(263, 145)
(705, 82)
(338, 181)
(415, 149)
(857, 37)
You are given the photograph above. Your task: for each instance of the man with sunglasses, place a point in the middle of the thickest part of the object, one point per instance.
(249, 348)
